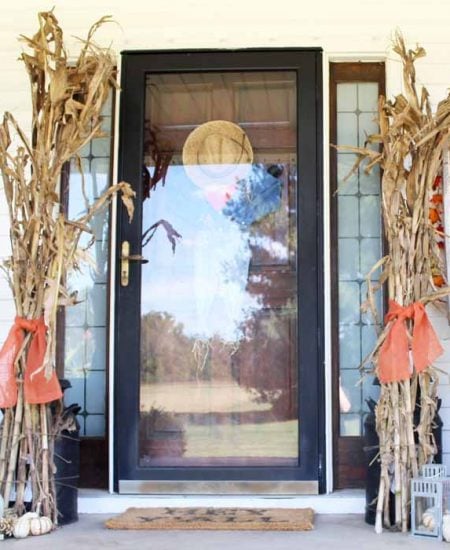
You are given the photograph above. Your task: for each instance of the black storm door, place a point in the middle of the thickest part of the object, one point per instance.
(218, 380)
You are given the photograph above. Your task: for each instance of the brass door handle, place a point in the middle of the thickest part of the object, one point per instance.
(125, 259)
(135, 258)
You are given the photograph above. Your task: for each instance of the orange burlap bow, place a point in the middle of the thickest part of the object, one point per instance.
(393, 360)
(37, 388)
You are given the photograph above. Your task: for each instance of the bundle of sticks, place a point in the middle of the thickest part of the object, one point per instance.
(67, 100)
(409, 149)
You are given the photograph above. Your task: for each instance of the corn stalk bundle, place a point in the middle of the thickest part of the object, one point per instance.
(409, 150)
(67, 99)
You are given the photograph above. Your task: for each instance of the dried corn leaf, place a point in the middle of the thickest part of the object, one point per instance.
(67, 100)
(412, 139)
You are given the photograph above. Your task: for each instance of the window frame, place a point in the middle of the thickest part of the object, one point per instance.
(94, 455)
(349, 462)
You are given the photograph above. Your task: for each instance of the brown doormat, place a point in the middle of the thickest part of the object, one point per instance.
(264, 519)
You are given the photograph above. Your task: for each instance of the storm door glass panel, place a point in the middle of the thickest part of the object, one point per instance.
(218, 378)
(359, 248)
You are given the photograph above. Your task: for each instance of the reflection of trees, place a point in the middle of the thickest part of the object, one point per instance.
(265, 361)
(168, 355)
(264, 206)
(256, 196)
(263, 357)
(260, 362)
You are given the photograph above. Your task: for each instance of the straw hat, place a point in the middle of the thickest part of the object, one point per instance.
(217, 152)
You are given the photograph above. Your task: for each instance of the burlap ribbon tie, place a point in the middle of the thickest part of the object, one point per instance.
(394, 358)
(37, 388)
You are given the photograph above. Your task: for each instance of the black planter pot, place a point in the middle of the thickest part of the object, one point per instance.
(437, 431)
(67, 462)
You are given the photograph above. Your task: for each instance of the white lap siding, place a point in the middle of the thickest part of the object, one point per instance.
(348, 30)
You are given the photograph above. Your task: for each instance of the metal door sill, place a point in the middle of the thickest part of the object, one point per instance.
(282, 488)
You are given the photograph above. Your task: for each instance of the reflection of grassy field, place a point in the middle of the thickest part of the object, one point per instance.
(271, 439)
(199, 397)
(274, 439)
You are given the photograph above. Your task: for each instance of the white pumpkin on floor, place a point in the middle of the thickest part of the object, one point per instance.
(446, 526)
(40, 525)
(22, 525)
(429, 519)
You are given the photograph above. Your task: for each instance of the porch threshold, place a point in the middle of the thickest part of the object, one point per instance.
(348, 501)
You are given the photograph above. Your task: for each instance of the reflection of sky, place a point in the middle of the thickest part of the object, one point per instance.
(203, 284)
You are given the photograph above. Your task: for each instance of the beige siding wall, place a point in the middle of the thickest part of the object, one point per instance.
(348, 30)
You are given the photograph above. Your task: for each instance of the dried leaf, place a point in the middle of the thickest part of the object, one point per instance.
(67, 100)
(171, 233)
(412, 139)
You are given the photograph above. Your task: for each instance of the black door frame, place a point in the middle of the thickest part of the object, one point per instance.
(308, 65)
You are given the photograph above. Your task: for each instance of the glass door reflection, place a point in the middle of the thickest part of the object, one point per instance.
(218, 367)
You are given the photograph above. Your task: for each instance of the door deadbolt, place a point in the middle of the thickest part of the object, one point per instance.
(125, 259)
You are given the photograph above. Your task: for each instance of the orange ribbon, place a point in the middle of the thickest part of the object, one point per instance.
(394, 361)
(37, 388)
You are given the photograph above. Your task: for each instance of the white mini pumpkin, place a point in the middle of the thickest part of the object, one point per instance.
(22, 525)
(40, 525)
(446, 526)
(429, 519)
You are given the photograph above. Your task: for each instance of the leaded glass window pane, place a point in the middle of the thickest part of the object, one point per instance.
(359, 248)
(86, 323)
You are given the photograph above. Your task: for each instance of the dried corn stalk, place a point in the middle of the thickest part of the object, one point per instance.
(412, 139)
(67, 99)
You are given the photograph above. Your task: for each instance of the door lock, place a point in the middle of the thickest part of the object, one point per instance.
(125, 259)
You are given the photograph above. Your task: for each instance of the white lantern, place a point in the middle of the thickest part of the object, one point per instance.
(430, 498)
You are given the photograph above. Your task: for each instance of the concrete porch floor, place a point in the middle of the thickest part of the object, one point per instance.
(346, 532)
